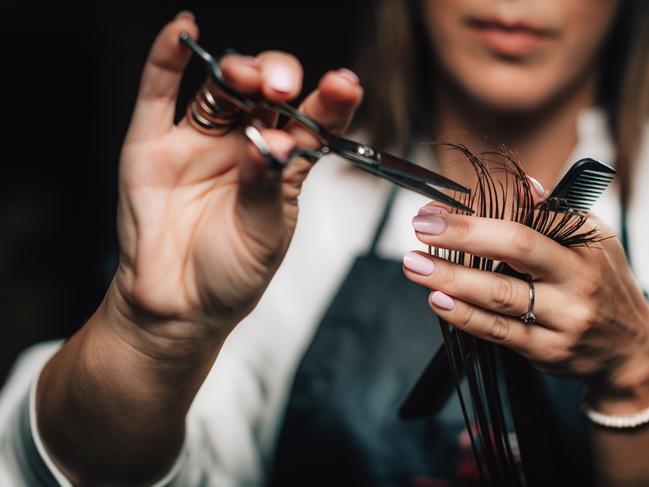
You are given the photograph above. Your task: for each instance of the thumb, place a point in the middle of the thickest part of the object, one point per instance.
(259, 196)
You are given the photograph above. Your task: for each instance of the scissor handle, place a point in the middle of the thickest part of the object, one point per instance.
(364, 156)
(246, 103)
(294, 114)
(216, 75)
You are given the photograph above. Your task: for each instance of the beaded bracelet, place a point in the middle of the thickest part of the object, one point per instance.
(617, 422)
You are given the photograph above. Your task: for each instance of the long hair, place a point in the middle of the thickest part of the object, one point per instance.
(398, 96)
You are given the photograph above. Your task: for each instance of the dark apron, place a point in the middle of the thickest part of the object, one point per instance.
(341, 425)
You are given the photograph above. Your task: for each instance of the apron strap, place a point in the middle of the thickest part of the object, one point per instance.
(624, 236)
(385, 214)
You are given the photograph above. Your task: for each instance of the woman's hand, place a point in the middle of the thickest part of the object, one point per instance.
(592, 320)
(203, 222)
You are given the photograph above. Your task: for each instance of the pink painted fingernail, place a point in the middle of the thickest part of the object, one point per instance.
(538, 188)
(281, 79)
(185, 14)
(349, 75)
(283, 148)
(442, 300)
(432, 210)
(429, 224)
(418, 264)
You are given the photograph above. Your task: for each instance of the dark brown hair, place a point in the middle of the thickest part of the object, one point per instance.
(398, 96)
(502, 191)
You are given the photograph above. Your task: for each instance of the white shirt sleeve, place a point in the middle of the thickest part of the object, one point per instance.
(20, 462)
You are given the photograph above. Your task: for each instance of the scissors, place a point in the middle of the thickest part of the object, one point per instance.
(381, 164)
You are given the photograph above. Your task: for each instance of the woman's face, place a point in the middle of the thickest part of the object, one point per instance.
(517, 55)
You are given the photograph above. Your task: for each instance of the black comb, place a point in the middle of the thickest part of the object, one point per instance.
(582, 185)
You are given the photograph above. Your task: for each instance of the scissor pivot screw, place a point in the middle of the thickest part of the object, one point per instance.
(366, 151)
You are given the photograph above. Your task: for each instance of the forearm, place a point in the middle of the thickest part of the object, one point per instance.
(111, 404)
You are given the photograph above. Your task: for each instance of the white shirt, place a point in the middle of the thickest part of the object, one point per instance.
(234, 420)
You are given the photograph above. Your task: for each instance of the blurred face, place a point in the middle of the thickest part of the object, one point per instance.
(517, 55)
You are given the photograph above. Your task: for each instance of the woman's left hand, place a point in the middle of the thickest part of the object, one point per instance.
(592, 319)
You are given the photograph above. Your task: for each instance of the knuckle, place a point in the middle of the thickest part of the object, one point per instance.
(503, 294)
(446, 276)
(558, 355)
(467, 318)
(499, 329)
(584, 316)
(590, 286)
(523, 239)
(461, 229)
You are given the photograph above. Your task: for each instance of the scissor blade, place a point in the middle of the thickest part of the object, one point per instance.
(401, 167)
(417, 186)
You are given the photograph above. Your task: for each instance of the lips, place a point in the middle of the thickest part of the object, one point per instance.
(508, 39)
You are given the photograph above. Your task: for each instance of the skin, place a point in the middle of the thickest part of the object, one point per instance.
(592, 318)
(203, 223)
(529, 102)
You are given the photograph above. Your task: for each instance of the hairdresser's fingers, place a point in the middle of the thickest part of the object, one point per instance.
(156, 100)
(279, 79)
(281, 75)
(488, 290)
(534, 342)
(523, 248)
(276, 75)
(332, 105)
(259, 197)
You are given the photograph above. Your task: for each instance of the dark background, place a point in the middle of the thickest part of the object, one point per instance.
(69, 78)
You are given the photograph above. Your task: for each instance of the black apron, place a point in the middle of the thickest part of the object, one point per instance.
(341, 426)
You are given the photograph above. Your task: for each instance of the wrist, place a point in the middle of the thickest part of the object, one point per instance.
(107, 391)
(163, 348)
(171, 333)
(626, 389)
(626, 392)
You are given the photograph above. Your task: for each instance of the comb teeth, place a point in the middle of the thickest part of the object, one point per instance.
(582, 185)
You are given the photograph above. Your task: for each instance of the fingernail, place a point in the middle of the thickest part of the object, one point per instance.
(418, 264)
(251, 61)
(284, 148)
(186, 14)
(285, 152)
(432, 210)
(442, 301)
(281, 79)
(429, 224)
(538, 189)
(349, 76)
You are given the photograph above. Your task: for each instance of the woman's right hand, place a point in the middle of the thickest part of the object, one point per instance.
(203, 222)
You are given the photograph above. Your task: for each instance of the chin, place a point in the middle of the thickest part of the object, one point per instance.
(510, 89)
(509, 101)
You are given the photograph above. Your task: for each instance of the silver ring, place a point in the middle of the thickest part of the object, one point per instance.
(528, 318)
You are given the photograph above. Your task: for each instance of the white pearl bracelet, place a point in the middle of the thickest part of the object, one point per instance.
(617, 422)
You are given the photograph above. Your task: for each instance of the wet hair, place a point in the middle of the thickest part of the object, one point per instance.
(495, 375)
